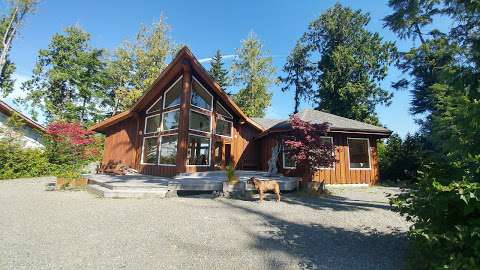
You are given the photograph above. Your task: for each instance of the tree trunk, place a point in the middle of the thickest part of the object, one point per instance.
(8, 38)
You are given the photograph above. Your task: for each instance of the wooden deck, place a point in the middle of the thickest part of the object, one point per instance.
(139, 186)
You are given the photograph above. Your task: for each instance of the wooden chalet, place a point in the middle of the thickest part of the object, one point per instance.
(186, 123)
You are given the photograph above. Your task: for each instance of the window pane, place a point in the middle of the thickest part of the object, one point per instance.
(170, 120)
(200, 97)
(198, 150)
(358, 153)
(168, 149)
(172, 97)
(221, 110)
(288, 161)
(199, 121)
(152, 124)
(150, 154)
(223, 128)
(157, 106)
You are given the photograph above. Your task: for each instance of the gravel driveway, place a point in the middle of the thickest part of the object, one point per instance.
(76, 230)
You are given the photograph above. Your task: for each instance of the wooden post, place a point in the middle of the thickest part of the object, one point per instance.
(184, 118)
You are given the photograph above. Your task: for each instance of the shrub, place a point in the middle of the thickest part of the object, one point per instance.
(446, 230)
(230, 173)
(401, 159)
(17, 162)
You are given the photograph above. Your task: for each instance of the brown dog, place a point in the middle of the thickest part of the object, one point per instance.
(266, 185)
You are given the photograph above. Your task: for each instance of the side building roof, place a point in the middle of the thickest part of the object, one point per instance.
(336, 123)
(8, 111)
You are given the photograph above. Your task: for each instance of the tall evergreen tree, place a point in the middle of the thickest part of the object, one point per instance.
(218, 72)
(254, 72)
(9, 25)
(69, 79)
(298, 71)
(352, 63)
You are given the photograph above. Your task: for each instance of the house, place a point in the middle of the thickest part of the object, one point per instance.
(186, 123)
(32, 131)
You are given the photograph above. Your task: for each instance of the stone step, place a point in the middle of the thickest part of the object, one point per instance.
(104, 192)
(129, 185)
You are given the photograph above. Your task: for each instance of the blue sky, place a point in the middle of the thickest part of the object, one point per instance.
(206, 26)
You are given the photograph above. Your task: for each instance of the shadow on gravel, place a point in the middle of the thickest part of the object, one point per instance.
(335, 203)
(320, 247)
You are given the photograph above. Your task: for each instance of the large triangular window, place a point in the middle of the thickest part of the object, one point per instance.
(156, 107)
(201, 98)
(219, 109)
(172, 95)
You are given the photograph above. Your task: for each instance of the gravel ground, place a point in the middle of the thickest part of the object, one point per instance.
(76, 230)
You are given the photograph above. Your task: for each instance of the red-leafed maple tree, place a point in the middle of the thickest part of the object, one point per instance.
(305, 145)
(68, 142)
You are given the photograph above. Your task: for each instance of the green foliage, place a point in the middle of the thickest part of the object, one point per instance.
(352, 62)
(446, 231)
(230, 173)
(218, 72)
(69, 79)
(136, 65)
(10, 22)
(254, 72)
(401, 159)
(444, 205)
(298, 70)
(17, 162)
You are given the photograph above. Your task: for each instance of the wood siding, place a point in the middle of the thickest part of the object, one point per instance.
(341, 173)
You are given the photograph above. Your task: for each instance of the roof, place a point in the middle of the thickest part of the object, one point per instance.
(336, 123)
(7, 110)
(182, 57)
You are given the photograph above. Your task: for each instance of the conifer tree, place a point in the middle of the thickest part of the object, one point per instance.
(218, 72)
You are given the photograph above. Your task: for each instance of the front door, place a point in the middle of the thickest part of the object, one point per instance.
(228, 157)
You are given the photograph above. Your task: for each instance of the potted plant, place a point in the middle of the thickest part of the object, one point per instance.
(70, 178)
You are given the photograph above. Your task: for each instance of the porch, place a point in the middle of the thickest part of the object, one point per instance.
(141, 186)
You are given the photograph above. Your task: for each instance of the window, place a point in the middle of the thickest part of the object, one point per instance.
(172, 95)
(223, 128)
(170, 120)
(157, 106)
(199, 121)
(152, 123)
(222, 111)
(168, 150)
(288, 162)
(200, 96)
(198, 152)
(149, 150)
(358, 153)
(328, 140)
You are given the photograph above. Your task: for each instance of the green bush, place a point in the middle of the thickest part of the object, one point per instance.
(401, 159)
(17, 162)
(446, 230)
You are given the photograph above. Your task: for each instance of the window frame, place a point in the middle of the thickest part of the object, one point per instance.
(231, 128)
(206, 90)
(209, 150)
(155, 103)
(283, 160)
(368, 150)
(168, 89)
(333, 154)
(200, 112)
(229, 117)
(159, 149)
(165, 112)
(143, 151)
(146, 121)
